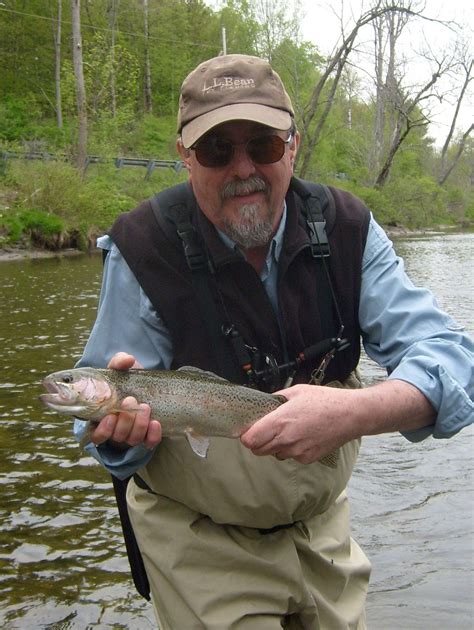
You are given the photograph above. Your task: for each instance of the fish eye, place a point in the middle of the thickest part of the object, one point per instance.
(67, 378)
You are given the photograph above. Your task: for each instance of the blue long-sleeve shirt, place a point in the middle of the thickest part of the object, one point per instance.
(403, 330)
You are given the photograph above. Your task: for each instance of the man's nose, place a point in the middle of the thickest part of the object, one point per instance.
(241, 163)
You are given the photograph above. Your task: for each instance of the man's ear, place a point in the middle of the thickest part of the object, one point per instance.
(295, 144)
(294, 148)
(184, 154)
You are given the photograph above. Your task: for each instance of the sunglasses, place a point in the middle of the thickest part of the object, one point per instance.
(215, 151)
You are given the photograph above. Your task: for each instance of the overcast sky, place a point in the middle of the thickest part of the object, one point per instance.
(321, 25)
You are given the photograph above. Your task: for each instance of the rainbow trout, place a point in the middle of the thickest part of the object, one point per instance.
(188, 401)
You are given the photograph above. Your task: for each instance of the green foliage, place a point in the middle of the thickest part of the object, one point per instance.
(101, 63)
(34, 227)
(18, 117)
(11, 229)
(42, 229)
(384, 208)
(182, 33)
(55, 207)
(151, 136)
(420, 200)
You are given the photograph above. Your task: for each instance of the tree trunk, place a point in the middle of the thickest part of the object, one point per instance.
(81, 152)
(446, 170)
(57, 66)
(148, 92)
(406, 108)
(379, 123)
(336, 64)
(113, 89)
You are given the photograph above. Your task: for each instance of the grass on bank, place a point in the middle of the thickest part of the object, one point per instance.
(48, 204)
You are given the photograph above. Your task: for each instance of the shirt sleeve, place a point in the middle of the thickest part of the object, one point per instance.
(126, 322)
(405, 331)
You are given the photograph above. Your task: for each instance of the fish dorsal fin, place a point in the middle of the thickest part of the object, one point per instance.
(190, 369)
(199, 443)
(281, 399)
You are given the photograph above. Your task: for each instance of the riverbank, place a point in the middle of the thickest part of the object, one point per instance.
(9, 254)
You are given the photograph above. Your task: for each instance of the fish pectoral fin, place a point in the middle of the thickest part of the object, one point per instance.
(199, 443)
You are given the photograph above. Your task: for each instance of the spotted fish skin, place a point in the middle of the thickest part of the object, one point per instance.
(187, 401)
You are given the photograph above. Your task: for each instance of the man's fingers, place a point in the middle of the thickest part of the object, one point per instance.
(130, 427)
(140, 425)
(260, 434)
(117, 427)
(123, 361)
(104, 429)
(126, 419)
(154, 434)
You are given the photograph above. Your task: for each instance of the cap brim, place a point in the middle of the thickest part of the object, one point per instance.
(263, 114)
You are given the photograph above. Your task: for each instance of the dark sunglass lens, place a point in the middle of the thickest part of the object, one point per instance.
(213, 152)
(266, 149)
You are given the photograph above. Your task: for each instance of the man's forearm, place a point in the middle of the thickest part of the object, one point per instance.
(393, 405)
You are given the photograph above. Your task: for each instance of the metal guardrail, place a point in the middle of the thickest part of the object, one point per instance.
(119, 162)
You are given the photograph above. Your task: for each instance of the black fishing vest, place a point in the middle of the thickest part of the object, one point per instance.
(151, 246)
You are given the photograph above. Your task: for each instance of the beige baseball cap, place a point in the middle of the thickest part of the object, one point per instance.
(232, 87)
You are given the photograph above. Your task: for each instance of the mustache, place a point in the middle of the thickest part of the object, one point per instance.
(237, 187)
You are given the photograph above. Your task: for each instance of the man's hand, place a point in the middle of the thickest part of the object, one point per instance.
(317, 420)
(133, 425)
(309, 426)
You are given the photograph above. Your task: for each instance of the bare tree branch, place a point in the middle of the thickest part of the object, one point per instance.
(333, 72)
(405, 111)
(447, 172)
(444, 170)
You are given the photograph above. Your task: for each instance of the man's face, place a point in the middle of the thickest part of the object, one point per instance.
(243, 199)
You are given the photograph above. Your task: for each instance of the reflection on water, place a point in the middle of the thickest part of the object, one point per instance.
(62, 559)
(412, 504)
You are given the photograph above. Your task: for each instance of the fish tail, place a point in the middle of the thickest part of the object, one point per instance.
(330, 460)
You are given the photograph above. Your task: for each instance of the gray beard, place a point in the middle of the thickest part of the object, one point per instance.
(252, 230)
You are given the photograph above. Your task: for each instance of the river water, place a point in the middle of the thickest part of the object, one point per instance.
(62, 560)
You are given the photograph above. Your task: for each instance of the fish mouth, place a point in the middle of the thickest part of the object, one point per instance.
(50, 386)
(50, 399)
(56, 395)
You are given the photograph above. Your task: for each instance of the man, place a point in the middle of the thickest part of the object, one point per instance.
(242, 539)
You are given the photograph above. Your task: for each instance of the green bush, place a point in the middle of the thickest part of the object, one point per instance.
(85, 207)
(420, 201)
(32, 227)
(11, 229)
(381, 205)
(48, 224)
(43, 229)
(16, 118)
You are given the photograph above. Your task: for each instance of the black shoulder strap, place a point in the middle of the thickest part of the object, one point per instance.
(175, 207)
(319, 208)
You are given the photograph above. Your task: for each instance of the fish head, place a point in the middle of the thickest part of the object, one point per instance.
(81, 392)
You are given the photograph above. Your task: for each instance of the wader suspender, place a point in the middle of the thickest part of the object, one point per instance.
(202, 274)
(318, 201)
